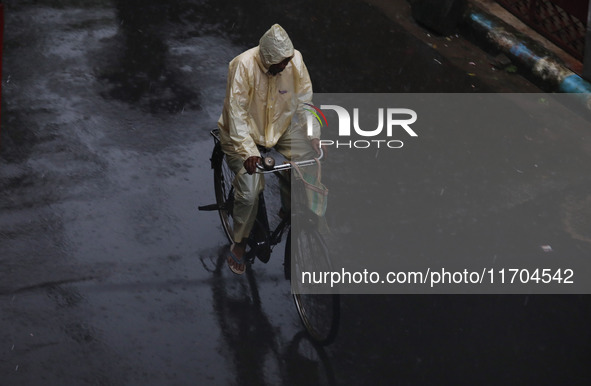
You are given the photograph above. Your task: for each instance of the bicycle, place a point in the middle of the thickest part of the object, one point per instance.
(319, 313)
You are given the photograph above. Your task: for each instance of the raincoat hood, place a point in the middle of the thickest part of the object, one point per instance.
(275, 46)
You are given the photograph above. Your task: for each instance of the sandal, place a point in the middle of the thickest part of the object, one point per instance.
(240, 266)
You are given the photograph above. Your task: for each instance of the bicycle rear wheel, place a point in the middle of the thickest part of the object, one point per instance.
(224, 191)
(319, 313)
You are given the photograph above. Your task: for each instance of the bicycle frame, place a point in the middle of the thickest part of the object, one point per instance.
(262, 239)
(271, 238)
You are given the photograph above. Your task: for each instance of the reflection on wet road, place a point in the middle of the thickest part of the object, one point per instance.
(109, 274)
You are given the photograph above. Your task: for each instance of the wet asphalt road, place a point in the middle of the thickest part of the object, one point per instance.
(109, 275)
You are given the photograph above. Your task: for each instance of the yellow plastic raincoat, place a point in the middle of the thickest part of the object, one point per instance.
(259, 107)
(266, 110)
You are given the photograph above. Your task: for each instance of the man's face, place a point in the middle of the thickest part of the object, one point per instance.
(275, 69)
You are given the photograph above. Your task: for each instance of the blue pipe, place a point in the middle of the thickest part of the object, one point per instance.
(563, 78)
(575, 84)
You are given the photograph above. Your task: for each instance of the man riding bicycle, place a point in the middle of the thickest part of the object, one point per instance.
(266, 93)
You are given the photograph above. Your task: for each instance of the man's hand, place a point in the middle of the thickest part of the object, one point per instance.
(251, 164)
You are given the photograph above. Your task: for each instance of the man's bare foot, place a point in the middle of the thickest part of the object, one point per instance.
(235, 258)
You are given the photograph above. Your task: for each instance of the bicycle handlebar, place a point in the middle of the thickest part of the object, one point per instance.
(277, 168)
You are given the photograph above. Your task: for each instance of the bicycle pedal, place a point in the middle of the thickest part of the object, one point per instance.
(264, 256)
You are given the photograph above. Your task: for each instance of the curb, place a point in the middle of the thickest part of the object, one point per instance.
(527, 53)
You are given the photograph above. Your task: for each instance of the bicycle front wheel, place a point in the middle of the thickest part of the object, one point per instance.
(224, 191)
(319, 313)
